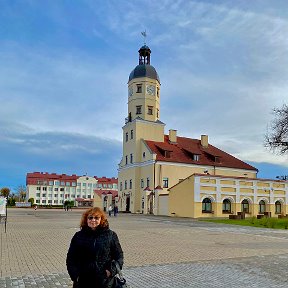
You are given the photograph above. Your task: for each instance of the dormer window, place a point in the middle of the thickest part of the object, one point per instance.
(217, 159)
(166, 153)
(139, 88)
(195, 157)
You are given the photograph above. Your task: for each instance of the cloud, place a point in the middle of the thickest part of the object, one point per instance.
(61, 152)
(222, 65)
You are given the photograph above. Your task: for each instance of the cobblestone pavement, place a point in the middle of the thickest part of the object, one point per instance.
(159, 251)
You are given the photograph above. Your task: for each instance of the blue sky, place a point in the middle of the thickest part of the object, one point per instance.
(223, 67)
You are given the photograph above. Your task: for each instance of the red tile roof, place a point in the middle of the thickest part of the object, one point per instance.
(35, 177)
(182, 151)
(100, 192)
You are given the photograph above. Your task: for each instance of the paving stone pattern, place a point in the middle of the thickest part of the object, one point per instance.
(159, 251)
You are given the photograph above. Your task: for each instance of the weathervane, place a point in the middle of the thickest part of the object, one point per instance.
(144, 34)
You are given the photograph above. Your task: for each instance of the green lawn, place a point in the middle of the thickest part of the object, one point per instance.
(253, 221)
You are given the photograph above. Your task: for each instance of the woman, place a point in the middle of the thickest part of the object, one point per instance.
(92, 250)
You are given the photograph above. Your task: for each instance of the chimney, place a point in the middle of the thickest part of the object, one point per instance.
(172, 136)
(204, 141)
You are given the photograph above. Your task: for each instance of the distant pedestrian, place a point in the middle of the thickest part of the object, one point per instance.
(35, 207)
(115, 210)
(110, 209)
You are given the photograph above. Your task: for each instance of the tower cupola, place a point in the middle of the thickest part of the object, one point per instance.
(144, 55)
(144, 69)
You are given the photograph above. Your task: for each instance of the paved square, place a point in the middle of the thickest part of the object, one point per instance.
(158, 251)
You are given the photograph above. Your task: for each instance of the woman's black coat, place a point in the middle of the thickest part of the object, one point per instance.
(90, 255)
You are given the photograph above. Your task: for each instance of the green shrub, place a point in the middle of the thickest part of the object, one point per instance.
(271, 222)
(264, 221)
(252, 220)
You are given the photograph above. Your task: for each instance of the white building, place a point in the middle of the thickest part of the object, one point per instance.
(54, 189)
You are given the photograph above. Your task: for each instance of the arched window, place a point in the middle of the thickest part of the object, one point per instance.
(278, 207)
(245, 206)
(226, 206)
(206, 205)
(262, 206)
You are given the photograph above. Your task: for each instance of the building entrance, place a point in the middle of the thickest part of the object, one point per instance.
(127, 204)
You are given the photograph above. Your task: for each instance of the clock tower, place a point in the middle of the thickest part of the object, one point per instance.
(142, 123)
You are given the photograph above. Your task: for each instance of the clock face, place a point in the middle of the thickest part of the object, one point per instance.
(150, 90)
(130, 92)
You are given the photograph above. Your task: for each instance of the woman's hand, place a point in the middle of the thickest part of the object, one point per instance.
(108, 273)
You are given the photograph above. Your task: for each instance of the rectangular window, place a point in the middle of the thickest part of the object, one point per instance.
(38, 188)
(131, 134)
(43, 201)
(43, 195)
(148, 181)
(139, 88)
(50, 183)
(142, 183)
(55, 195)
(125, 187)
(55, 189)
(67, 183)
(62, 183)
(89, 196)
(157, 91)
(139, 109)
(120, 186)
(74, 184)
(57, 183)
(90, 185)
(61, 189)
(50, 201)
(99, 185)
(78, 184)
(44, 188)
(55, 201)
(165, 182)
(126, 159)
(131, 158)
(38, 201)
(50, 188)
(105, 185)
(126, 136)
(130, 184)
(84, 184)
(157, 113)
(150, 110)
(37, 194)
(109, 185)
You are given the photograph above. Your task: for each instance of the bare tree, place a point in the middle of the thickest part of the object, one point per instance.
(276, 137)
(21, 191)
(5, 192)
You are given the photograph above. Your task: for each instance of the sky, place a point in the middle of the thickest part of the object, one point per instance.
(223, 67)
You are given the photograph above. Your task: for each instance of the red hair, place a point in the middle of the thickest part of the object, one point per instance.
(95, 211)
